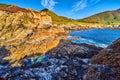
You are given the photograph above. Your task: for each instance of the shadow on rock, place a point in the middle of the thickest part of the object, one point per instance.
(3, 53)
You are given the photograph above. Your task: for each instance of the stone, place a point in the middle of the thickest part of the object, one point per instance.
(110, 57)
(3, 53)
(26, 32)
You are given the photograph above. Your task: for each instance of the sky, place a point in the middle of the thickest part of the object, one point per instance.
(76, 9)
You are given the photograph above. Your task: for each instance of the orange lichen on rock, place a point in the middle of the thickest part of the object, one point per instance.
(25, 32)
(38, 43)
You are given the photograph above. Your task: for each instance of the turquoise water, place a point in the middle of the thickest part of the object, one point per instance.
(98, 37)
(35, 59)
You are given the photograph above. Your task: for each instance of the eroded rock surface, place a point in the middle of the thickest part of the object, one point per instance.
(110, 58)
(25, 32)
(63, 63)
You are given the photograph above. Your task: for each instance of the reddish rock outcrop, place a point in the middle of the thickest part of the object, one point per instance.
(26, 32)
(110, 57)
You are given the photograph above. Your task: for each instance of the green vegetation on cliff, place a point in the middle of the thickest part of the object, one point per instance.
(1, 4)
(58, 19)
(108, 17)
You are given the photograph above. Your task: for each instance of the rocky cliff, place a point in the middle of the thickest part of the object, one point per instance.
(25, 32)
(105, 65)
(19, 17)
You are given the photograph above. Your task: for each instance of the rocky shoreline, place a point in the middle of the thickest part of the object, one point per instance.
(69, 61)
(25, 34)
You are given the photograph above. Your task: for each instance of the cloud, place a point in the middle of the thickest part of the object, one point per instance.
(83, 4)
(94, 1)
(48, 4)
(79, 5)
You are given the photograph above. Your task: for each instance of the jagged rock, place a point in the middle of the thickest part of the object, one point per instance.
(26, 32)
(63, 65)
(99, 72)
(14, 15)
(110, 57)
(66, 48)
(115, 46)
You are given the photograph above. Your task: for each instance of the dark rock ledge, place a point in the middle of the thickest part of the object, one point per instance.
(70, 61)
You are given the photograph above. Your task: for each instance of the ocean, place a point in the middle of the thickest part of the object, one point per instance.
(98, 37)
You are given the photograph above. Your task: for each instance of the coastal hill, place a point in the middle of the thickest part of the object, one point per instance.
(58, 19)
(101, 20)
(107, 17)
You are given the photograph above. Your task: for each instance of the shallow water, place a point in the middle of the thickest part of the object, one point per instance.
(98, 37)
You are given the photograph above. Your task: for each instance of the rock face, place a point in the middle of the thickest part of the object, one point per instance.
(99, 72)
(13, 16)
(109, 55)
(25, 32)
(110, 58)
